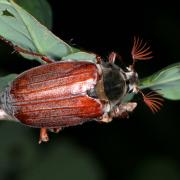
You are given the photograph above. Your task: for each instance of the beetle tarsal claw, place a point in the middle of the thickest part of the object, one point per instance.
(43, 136)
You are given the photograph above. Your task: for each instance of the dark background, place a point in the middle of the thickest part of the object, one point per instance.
(144, 147)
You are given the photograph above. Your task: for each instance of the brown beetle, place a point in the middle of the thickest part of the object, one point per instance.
(69, 93)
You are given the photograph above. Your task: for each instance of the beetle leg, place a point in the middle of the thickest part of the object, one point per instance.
(98, 59)
(106, 118)
(112, 57)
(22, 50)
(55, 130)
(44, 58)
(120, 111)
(123, 109)
(43, 135)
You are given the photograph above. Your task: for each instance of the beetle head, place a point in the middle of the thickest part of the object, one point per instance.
(140, 51)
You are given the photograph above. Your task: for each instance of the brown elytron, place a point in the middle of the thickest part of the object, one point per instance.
(54, 95)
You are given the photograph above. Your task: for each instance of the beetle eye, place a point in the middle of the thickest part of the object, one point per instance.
(130, 87)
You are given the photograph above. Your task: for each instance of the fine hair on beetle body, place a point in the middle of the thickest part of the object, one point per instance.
(68, 93)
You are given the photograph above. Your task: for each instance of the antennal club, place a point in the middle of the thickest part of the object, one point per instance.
(153, 101)
(140, 50)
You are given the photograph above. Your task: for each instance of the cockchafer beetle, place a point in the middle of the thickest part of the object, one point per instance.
(68, 93)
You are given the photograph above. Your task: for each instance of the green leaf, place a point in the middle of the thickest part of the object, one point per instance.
(39, 9)
(4, 81)
(81, 56)
(23, 30)
(166, 82)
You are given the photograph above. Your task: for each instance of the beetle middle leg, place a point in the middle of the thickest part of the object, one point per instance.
(43, 135)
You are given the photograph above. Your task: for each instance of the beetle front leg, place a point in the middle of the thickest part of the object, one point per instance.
(113, 56)
(123, 109)
(43, 135)
(120, 111)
